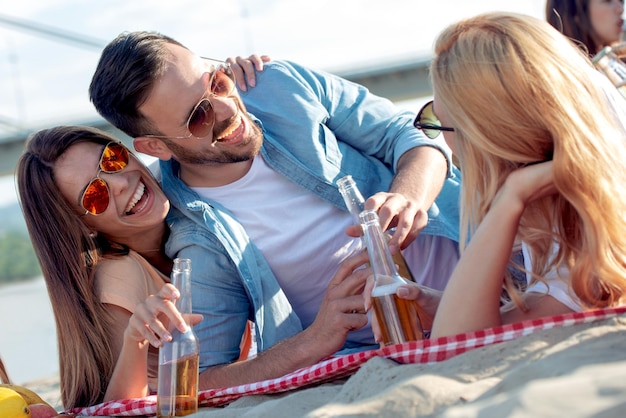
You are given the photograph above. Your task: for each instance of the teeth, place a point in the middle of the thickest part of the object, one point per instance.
(229, 131)
(138, 194)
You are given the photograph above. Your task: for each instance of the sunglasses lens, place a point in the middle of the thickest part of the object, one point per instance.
(431, 133)
(114, 158)
(222, 83)
(201, 120)
(96, 197)
(427, 118)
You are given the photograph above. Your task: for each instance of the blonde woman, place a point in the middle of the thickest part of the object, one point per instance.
(540, 139)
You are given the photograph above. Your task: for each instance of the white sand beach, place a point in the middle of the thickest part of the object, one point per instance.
(566, 371)
(575, 371)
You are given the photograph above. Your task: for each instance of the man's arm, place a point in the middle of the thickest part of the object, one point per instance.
(418, 180)
(377, 128)
(323, 338)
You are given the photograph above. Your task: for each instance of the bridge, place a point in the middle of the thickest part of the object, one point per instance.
(400, 80)
(397, 81)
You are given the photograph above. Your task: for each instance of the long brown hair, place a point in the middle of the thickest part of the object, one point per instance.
(68, 254)
(571, 18)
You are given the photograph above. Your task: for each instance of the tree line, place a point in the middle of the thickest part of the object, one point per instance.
(18, 261)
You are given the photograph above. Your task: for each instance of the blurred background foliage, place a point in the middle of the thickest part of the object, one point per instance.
(17, 256)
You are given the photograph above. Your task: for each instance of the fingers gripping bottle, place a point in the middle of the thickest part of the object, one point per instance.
(177, 392)
(355, 203)
(399, 319)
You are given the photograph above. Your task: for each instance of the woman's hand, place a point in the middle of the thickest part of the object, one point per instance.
(151, 319)
(527, 184)
(427, 299)
(244, 69)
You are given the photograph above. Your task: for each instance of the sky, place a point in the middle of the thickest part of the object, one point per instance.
(44, 79)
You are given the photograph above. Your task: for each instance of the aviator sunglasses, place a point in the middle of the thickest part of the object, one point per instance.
(202, 117)
(95, 198)
(428, 123)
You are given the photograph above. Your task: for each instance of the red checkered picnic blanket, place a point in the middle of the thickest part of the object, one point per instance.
(425, 351)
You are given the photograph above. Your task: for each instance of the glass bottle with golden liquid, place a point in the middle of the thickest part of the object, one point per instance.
(399, 319)
(177, 392)
(355, 203)
(609, 62)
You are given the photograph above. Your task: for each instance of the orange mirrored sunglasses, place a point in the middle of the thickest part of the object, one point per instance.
(95, 198)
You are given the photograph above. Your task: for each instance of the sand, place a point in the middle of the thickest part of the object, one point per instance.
(577, 371)
(572, 371)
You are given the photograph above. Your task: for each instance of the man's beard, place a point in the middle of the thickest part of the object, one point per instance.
(244, 151)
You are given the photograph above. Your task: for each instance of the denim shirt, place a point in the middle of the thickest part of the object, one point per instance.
(317, 128)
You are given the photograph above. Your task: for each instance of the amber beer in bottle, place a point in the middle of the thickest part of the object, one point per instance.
(177, 392)
(355, 202)
(398, 318)
(608, 61)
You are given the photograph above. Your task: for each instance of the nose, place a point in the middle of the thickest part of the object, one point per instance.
(117, 182)
(224, 108)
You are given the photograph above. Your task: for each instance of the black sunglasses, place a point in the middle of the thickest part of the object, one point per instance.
(427, 122)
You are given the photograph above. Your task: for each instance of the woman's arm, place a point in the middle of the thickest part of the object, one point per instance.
(471, 300)
(132, 333)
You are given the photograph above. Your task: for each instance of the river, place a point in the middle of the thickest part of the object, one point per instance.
(27, 332)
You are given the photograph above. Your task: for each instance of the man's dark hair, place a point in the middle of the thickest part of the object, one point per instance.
(128, 67)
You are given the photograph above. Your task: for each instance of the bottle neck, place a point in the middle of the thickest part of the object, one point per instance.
(181, 279)
(352, 197)
(381, 260)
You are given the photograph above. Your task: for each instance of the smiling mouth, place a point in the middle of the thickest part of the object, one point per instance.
(140, 195)
(232, 132)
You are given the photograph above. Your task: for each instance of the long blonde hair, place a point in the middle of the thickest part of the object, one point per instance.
(518, 92)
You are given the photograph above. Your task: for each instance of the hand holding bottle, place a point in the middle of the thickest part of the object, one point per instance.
(150, 320)
(399, 320)
(342, 309)
(609, 63)
(426, 298)
(177, 391)
(355, 203)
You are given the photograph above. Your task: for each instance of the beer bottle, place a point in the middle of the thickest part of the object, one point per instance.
(355, 203)
(612, 66)
(177, 392)
(399, 319)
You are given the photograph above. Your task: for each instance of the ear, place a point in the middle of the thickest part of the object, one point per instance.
(152, 146)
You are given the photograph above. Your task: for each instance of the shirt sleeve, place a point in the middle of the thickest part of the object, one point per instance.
(125, 282)
(367, 122)
(219, 296)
